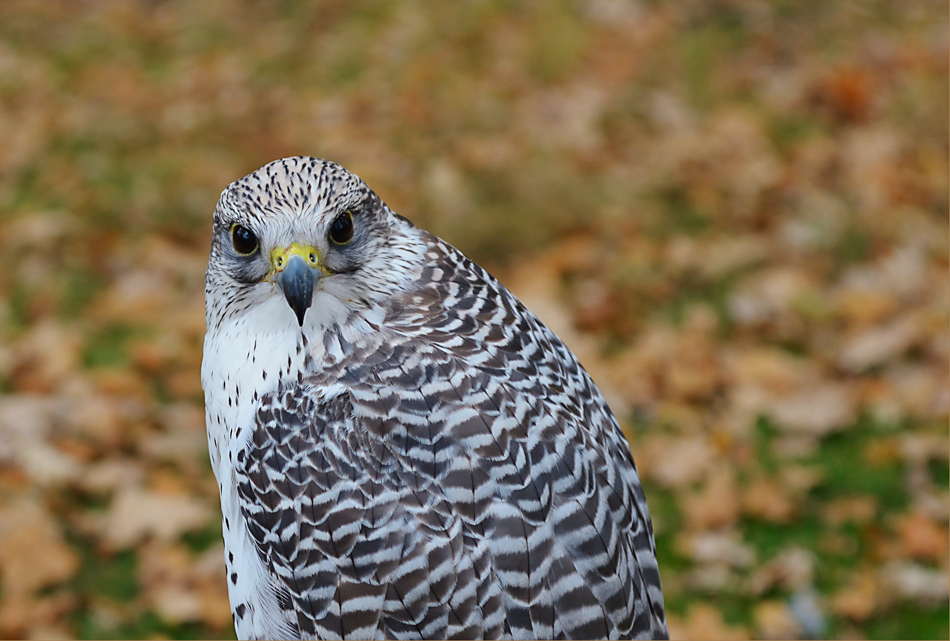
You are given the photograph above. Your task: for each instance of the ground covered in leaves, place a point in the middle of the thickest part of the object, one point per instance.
(736, 213)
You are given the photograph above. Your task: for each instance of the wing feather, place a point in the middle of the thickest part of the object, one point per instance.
(467, 480)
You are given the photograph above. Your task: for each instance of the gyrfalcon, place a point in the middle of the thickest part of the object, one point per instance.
(402, 449)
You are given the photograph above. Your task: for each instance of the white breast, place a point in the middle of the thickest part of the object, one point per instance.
(244, 359)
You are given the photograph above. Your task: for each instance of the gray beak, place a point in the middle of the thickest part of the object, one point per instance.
(297, 281)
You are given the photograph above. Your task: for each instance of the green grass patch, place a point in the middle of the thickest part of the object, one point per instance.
(147, 626)
(201, 540)
(78, 291)
(771, 538)
(787, 132)
(18, 306)
(910, 622)
(842, 460)
(114, 577)
(108, 347)
(765, 431)
(854, 246)
(693, 289)
(702, 49)
(682, 215)
(939, 473)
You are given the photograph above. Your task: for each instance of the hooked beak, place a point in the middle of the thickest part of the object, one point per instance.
(297, 276)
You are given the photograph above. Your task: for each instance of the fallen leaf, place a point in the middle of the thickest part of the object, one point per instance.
(871, 157)
(716, 504)
(184, 588)
(47, 465)
(772, 369)
(857, 600)
(705, 623)
(135, 514)
(918, 449)
(792, 569)
(184, 383)
(692, 371)
(723, 548)
(32, 617)
(879, 345)
(108, 475)
(819, 410)
(799, 479)
(120, 381)
(920, 391)
(881, 451)
(714, 578)
(848, 91)
(774, 620)
(765, 499)
(33, 552)
(912, 582)
(674, 461)
(857, 509)
(860, 307)
(99, 418)
(769, 295)
(137, 296)
(723, 255)
(795, 446)
(921, 538)
(24, 418)
(212, 587)
(46, 356)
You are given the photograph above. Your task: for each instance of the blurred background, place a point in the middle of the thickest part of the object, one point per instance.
(735, 212)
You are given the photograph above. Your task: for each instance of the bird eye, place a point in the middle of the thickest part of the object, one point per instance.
(341, 230)
(244, 240)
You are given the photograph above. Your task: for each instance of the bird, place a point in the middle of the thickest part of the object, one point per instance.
(402, 449)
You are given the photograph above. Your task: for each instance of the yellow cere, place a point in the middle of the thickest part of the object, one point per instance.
(280, 256)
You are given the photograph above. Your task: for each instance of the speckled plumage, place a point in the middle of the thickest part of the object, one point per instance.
(421, 457)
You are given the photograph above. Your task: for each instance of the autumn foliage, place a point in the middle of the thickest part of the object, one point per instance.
(736, 214)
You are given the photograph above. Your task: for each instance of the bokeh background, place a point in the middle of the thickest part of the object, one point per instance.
(735, 212)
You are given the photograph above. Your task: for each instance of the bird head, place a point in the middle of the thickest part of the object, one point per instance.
(302, 230)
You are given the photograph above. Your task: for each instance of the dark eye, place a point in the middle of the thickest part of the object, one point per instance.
(244, 240)
(341, 231)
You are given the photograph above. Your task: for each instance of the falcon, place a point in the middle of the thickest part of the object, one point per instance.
(402, 449)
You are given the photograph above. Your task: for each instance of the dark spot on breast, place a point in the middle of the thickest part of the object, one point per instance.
(234, 578)
(231, 557)
(239, 611)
